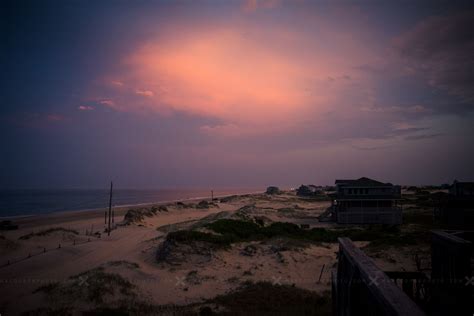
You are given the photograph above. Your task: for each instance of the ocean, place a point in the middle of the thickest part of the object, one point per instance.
(31, 202)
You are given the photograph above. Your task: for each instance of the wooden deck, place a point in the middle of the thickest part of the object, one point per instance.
(451, 262)
(382, 215)
(361, 288)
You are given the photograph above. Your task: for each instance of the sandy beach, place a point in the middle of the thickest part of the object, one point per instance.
(69, 249)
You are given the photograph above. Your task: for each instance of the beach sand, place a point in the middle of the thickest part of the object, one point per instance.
(130, 251)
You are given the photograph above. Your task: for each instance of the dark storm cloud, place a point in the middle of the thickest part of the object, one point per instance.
(421, 137)
(441, 49)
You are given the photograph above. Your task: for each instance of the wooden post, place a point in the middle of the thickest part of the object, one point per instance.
(212, 195)
(110, 207)
(320, 274)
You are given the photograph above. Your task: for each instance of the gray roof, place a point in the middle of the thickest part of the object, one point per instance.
(362, 182)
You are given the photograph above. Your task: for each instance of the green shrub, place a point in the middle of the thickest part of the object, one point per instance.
(238, 229)
(265, 298)
(187, 236)
(231, 231)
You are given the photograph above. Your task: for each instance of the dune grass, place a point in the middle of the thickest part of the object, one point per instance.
(94, 285)
(228, 231)
(261, 298)
(49, 231)
(265, 298)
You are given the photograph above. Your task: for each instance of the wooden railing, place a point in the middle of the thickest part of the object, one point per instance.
(361, 288)
(415, 284)
(451, 273)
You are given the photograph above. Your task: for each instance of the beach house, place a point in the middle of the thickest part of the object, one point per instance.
(462, 189)
(456, 209)
(366, 201)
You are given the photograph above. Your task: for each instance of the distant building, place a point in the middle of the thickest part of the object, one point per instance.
(366, 201)
(461, 189)
(273, 190)
(456, 209)
(308, 190)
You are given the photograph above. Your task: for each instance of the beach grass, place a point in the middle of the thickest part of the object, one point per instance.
(48, 231)
(229, 231)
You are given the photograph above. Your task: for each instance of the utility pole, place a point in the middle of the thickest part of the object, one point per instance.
(212, 195)
(110, 207)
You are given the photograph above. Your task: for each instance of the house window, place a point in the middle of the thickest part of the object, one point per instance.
(366, 191)
(350, 191)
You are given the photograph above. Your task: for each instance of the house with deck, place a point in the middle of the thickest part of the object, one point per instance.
(366, 201)
(456, 209)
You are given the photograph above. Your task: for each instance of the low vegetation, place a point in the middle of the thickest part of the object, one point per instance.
(187, 236)
(205, 204)
(49, 231)
(138, 215)
(228, 231)
(123, 263)
(264, 298)
(96, 286)
(7, 244)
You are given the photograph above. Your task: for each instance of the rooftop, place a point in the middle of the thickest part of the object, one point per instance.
(465, 185)
(362, 182)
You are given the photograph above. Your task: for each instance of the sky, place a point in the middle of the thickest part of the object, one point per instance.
(184, 94)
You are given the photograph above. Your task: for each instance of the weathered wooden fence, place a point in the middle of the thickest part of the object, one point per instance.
(360, 288)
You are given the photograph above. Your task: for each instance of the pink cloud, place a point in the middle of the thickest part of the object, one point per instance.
(85, 108)
(145, 93)
(117, 83)
(252, 79)
(54, 117)
(107, 102)
(227, 76)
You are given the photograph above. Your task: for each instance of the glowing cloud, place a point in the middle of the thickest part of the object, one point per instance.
(243, 76)
(85, 108)
(145, 93)
(117, 83)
